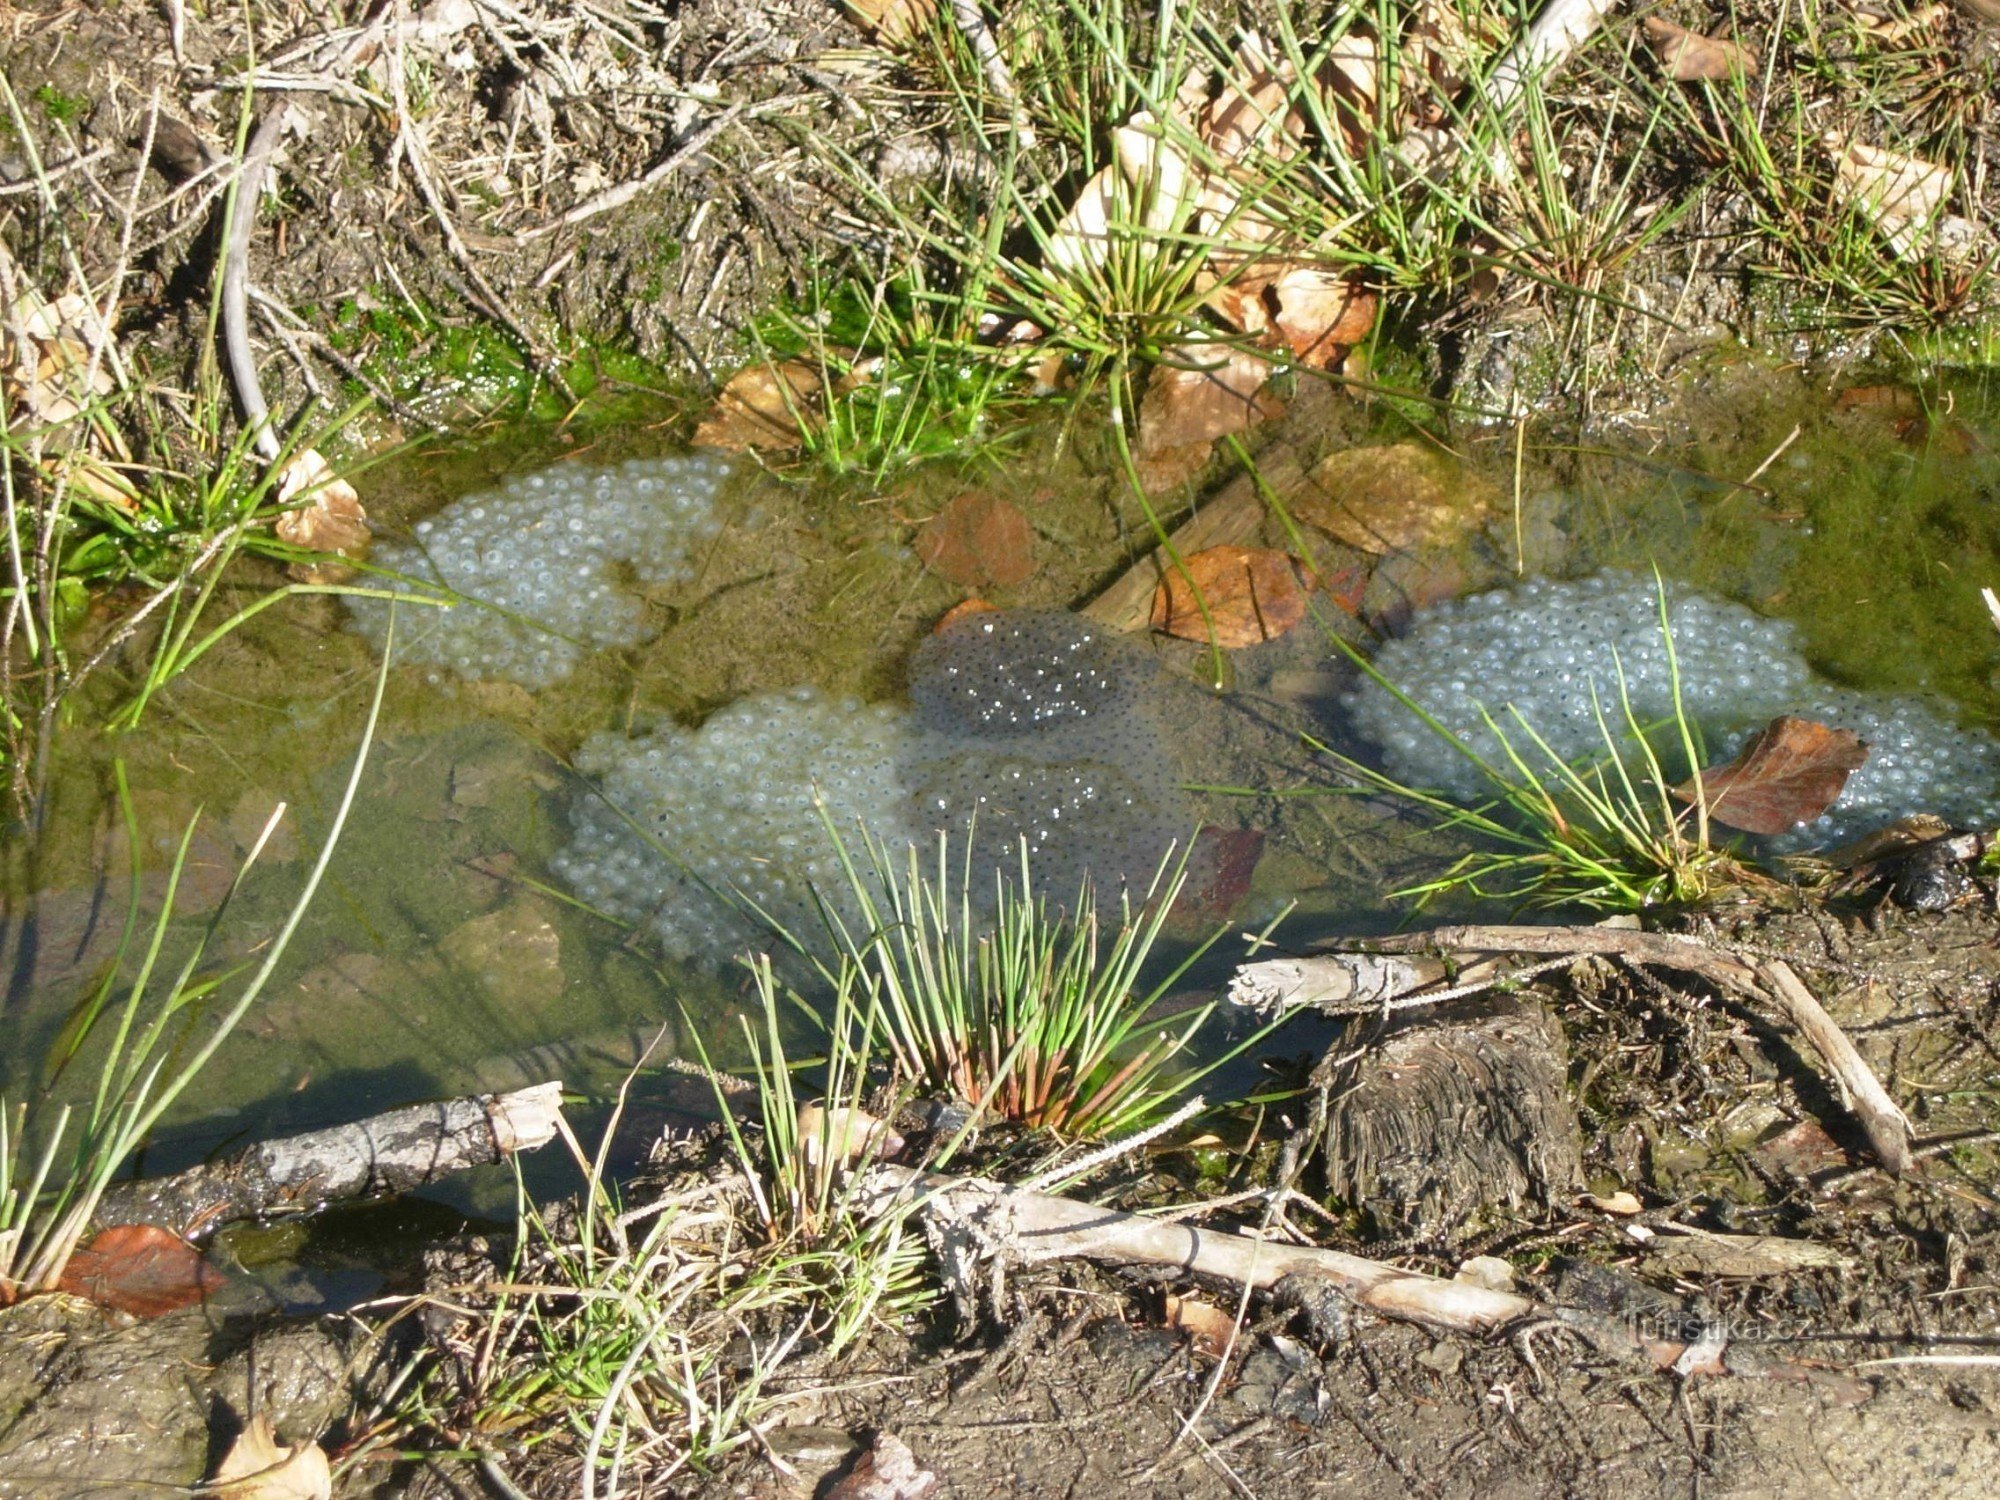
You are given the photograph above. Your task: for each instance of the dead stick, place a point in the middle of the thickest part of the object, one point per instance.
(236, 282)
(1027, 1227)
(387, 1153)
(1860, 1090)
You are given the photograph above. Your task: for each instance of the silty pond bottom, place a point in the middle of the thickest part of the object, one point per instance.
(516, 897)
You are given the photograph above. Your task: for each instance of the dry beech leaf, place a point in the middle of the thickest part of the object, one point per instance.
(851, 1135)
(894, 21)
(1790, 772)
(141, 1270)
(259, 1467)
(1318, 314)
(762, 406)
(1207, 1326)
(1690, 57)
(978, 539)
(1391, 498)
(328, 516)
(1200, 392)
(1902, 196)
(1252, 594)
(1148, 187)
(1620, 1202)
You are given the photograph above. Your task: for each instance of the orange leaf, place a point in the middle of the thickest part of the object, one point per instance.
(763, 406)
(1252, 594)
(1201, 392)
(977, 539)
(141, 1270)
(1788, 773)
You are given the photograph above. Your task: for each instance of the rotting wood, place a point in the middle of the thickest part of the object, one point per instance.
(1360, 981)
(386, 1153)
(1014, 1227)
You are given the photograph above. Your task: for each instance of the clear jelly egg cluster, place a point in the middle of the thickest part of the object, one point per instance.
(545, 567)
(1554, 652)
(688, 819)
(682, 819)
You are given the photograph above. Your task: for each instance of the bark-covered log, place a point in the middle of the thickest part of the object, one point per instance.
(387, 1153)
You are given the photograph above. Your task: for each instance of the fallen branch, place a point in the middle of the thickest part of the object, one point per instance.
(387, 1153)
(1015, 1227)
(1231, 517)
(1860, 1090)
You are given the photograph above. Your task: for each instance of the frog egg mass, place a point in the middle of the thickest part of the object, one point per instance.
(1554, 652)
(545, 565)
(1023, 726)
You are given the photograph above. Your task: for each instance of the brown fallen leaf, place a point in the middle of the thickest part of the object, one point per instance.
(259, 1467)
(1208, 1327)
(763, 406)
(327, 516)
(1392, 498)
(1252, 594)
(1903, 197)
(1789, 772)
(1690, 57)
(894, 21)
(848, 1134)
(888, 1471)
(978, 539)
(141, 1270)
(1200, 392)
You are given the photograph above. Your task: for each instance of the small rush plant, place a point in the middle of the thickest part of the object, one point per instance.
(1605, 832)
(1044, 1018)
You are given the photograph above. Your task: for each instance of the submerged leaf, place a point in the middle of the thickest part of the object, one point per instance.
(141, 1270)
(1251, 594)
(978, 539)
(763, 406)
(1789, 773)
(1389, 498)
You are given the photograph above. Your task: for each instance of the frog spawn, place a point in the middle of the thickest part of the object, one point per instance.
(1561, 653)
(1027, 726)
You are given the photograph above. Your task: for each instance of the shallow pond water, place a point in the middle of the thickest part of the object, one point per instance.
(445, 954)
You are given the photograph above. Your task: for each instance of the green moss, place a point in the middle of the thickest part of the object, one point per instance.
(64, 109)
